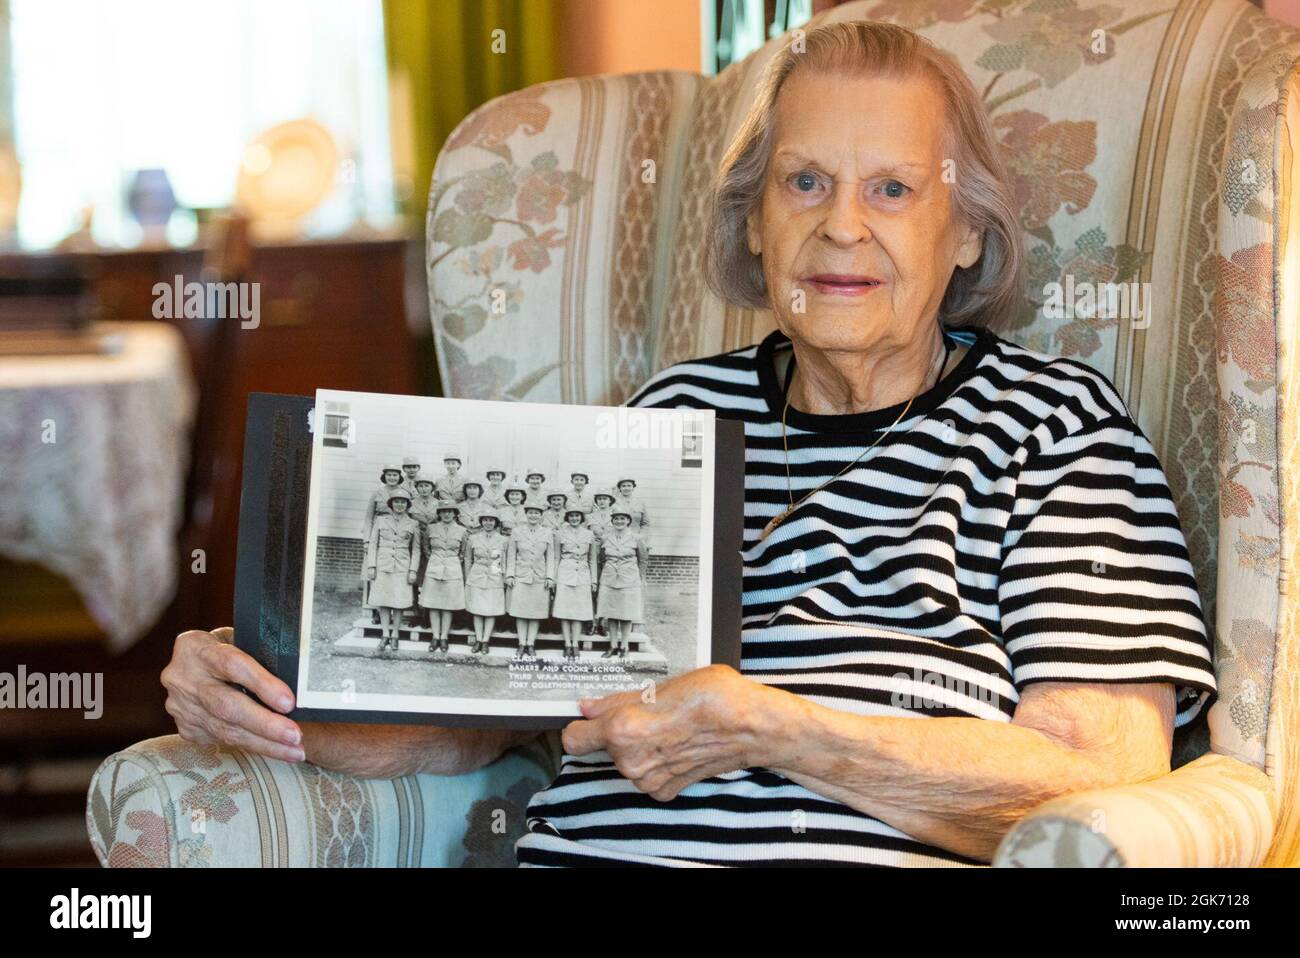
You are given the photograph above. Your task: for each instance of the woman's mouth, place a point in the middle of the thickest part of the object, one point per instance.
(842, 284)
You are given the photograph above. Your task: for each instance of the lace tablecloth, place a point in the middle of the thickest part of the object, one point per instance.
(93, 455)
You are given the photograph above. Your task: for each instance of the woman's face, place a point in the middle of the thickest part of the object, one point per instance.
(574, 519)
(398, 505)
(453, 467)
(446, 515)
(534, 517)
(392, 477)
(858, 188)
(472, 489)
(626, 488)
(514, 498)
(534, 481)
(424, 488)
(620, 521)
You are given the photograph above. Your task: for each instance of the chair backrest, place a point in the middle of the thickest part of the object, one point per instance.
(1150, 142)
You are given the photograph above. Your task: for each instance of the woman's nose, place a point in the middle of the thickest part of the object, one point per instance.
(846, 218)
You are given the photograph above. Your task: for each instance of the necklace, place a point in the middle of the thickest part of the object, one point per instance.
(780, 517)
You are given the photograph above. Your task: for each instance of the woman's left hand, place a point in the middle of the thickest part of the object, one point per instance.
(669, 736)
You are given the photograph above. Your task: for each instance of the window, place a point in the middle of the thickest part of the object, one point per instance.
(102, 90)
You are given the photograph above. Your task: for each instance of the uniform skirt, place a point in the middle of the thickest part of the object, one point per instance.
(619, 603)
(390, 590)
(573, 602)
(485, 599)
(447, 594)
(530, 600)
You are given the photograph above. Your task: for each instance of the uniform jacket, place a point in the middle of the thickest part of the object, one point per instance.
(576, 556)
(471, 510)
(622, 551)
(446, 543)
(531, 556)
(394, 544)
(376, 507)
(449, 488)
(485, 556)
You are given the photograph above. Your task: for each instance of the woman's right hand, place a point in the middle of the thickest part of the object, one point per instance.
(209, 711)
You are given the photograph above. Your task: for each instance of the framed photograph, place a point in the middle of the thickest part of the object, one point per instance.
(464, 562)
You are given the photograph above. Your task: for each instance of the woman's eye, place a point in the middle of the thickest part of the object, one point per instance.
(894, 189)
(803, 182)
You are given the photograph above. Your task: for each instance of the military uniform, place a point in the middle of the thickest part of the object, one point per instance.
(494, 494)
(450, 488)
(620, 576)
(535, 497)
(553, 518)
(471, 511)
(635, 508)
(376, 507)
(530, 560)
(573, 499)
(443, 584)
(485, 582)
(393, 551)
(575, 550)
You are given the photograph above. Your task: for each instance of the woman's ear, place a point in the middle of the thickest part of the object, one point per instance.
(968, 252)
(753, 233)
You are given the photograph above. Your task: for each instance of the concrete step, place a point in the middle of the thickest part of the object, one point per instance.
(642, 657)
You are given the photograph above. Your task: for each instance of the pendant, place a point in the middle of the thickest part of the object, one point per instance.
(776, 521)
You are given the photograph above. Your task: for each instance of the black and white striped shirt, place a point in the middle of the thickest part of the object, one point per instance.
(1015, 527)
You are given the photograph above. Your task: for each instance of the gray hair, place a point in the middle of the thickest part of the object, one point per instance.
(987, 292)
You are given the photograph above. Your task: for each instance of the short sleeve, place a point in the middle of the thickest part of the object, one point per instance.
(1095, 582)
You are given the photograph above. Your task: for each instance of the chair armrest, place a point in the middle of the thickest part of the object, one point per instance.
(1213, 812)
(167, 803)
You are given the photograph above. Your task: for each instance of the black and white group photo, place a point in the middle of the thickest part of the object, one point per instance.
(463, 551)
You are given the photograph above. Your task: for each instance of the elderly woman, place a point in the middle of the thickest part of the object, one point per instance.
(966, 591)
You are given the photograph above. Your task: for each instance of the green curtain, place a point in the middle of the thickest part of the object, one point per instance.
(444, 49)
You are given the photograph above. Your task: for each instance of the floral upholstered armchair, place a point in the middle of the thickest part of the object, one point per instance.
(1152, 142)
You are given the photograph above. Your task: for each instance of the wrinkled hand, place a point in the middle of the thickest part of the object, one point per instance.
(208, 711)
(697, 725)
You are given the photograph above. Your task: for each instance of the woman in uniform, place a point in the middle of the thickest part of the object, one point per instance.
(553, 517)
(627, 499)
(599, 524)
(472, 506)
(390, 478)
(448, 486)
(485, 596)
(512, 513)
(392, 558)
(577, 496)
(534, 493)
(495, 493)
(442, 590)
(530, 576)
(575, 578)
(619, 600)
(424, 510)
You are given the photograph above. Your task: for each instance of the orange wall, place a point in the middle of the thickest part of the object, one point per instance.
(624, 36)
